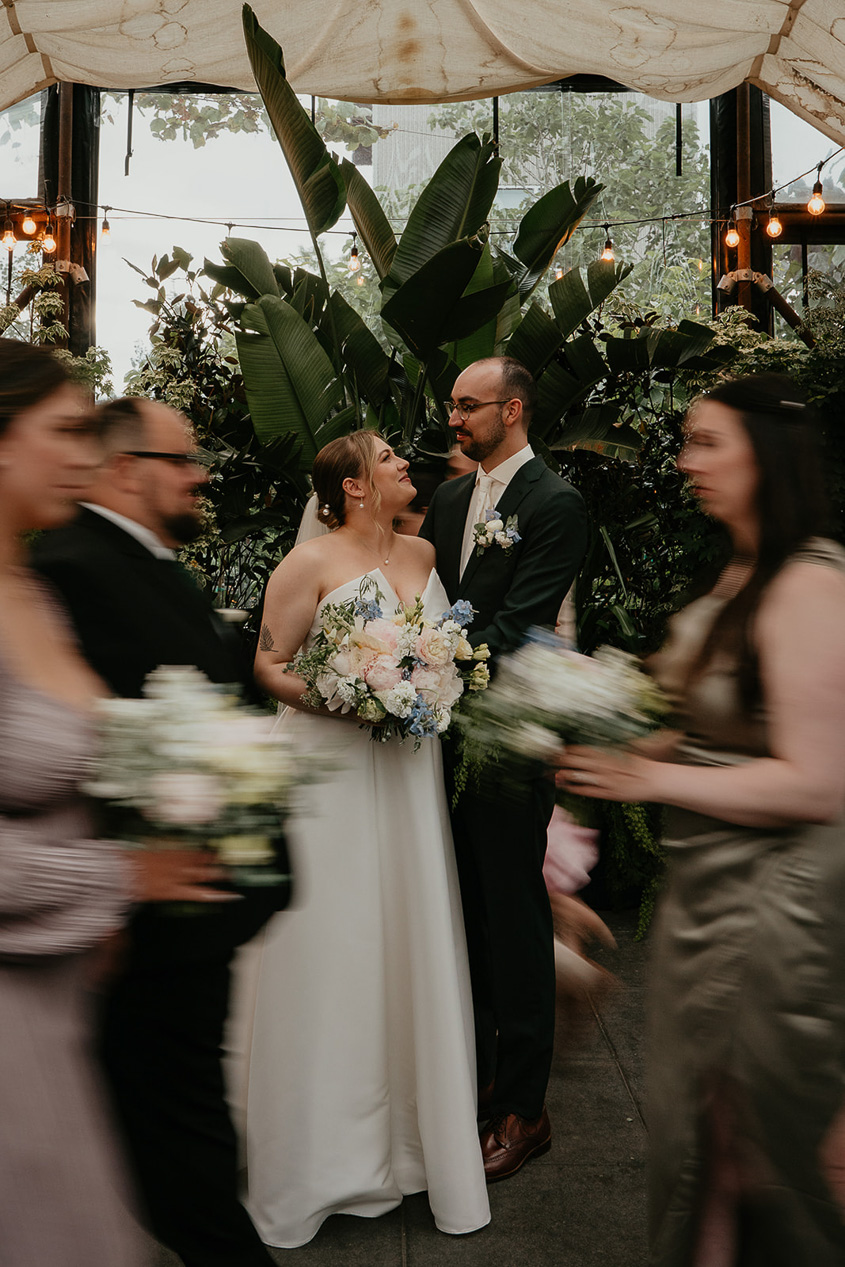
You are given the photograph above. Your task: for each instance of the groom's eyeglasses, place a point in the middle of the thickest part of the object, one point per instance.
(463, 411)
(175, 459)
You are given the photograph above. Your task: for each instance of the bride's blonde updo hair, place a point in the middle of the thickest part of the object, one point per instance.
(348, 457)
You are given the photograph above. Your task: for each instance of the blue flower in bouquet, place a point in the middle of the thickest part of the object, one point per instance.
(461, 612)
(367, 609)
(422, 721)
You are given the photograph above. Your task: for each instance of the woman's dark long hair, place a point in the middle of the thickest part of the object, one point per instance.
(28, 375)
(791, 503)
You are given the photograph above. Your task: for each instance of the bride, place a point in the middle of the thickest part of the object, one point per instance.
(362, 1070)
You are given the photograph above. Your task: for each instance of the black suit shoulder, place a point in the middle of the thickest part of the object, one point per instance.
(132, 611)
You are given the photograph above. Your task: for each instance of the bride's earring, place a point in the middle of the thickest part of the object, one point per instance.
(361, 504)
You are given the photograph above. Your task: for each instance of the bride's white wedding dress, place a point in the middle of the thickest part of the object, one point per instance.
(362, 1071)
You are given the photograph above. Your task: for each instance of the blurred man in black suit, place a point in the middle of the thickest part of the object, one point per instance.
(135, 608)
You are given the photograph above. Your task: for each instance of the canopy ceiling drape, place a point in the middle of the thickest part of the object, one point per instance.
(440, 50)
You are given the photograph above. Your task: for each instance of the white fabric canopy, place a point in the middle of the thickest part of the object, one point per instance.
(440, 50)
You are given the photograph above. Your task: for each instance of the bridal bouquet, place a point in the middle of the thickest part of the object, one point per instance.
(545, 695)
(189, 766)
(401, 674)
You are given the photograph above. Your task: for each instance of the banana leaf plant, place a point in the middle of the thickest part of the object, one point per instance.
(312, 368)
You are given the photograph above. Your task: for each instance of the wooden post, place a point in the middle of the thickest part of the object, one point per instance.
(64, 202)
(743, 192)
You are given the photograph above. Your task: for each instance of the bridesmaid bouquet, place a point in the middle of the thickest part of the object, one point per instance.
(546, 695)
(401, 675)
(190, 766)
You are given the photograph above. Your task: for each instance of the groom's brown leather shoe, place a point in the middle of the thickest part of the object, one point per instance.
(510, 1140)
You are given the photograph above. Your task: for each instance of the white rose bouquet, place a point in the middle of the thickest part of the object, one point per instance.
(401, 675)
(545, 694)
(189, 765)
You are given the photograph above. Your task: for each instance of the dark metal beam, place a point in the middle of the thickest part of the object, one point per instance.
(740, 167)
(80, 182)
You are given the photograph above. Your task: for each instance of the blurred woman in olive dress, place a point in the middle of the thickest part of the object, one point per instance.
(747, 1016)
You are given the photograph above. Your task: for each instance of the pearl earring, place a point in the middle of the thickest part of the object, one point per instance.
(361, 504)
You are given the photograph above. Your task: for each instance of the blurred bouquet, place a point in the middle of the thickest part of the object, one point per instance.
(190, 766)
(401, 675)
(545, 695)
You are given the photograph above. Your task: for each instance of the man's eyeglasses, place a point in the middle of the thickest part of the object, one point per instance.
(175, 459)
(463, 411)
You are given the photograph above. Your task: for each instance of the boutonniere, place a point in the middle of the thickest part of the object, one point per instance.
(495, 531)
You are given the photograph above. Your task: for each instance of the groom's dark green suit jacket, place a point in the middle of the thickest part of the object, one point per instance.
(514, 589)
(500, 842)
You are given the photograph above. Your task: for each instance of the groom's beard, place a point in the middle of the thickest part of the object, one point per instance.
(480, 447)
(184, 527)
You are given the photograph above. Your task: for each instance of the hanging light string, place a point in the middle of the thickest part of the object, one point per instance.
(298, 224)
(817, 168)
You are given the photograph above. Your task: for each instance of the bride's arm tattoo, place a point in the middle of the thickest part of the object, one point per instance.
(265, 639)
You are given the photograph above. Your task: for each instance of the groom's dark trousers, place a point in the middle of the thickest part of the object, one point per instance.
(500, 840)
(165, 1011)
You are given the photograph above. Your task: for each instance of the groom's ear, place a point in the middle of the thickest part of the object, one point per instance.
(512, 413)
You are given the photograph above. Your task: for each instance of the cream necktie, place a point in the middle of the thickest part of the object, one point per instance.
(484, 498)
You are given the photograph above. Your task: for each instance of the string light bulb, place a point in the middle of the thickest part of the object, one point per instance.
(354, 262)
(48, 242)
(774, 228)
(817, 204)
(8, 239)
(105, 231)
(732, 236)
(28, 225)
(360, 279)
(607, 252)
(558, 272)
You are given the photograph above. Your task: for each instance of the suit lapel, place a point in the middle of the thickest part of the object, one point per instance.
(521, 484)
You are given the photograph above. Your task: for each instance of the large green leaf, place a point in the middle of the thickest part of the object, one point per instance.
(230, 278)
(454, 205)
(310, 296)
(575, 295)
(691, 346)
(599, 429)
(251, 261)
(561, 387)
(630, 355)
(340, 424)
(290, 382)
(315, 173)
(480, 343)
(548, 224)
(431, 309)
(362, 353)
(535, 340)
(371, 223)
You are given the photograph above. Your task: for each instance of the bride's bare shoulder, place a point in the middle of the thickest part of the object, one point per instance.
(418, 548)
(305, 561)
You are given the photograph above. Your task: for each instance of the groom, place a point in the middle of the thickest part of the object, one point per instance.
(500, 842)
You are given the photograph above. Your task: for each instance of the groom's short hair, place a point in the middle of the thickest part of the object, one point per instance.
(517, 383)
(122, 424)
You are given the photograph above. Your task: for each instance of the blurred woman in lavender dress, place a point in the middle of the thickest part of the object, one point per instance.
(62, 893)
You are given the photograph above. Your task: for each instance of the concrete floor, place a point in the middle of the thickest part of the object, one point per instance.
(581, 1205)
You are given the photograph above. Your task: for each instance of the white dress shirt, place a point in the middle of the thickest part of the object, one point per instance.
(489, 487)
